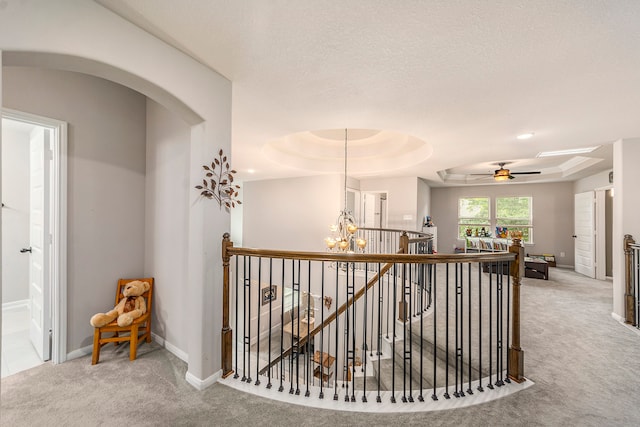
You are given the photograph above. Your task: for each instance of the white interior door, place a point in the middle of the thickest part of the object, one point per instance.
(584, 233)
(369, 210)
(40, 311)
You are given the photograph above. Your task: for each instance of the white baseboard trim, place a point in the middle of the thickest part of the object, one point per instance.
(199, 384)
(171, 348)
(13, 305)
(624, 323)
(81, 352)
(84, 351)
(569, 266)
(617, 317)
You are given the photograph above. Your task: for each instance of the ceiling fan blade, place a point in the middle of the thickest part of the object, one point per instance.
(526, 173)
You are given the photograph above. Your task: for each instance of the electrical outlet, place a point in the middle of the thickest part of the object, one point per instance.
(561, 254)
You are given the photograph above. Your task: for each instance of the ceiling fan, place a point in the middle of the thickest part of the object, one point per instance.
(503, 174)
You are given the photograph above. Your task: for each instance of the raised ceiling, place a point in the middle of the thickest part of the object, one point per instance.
(464, 77)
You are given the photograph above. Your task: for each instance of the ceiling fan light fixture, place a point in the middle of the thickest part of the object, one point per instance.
(502, 175)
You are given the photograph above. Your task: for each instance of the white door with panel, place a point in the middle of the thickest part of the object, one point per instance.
(39, 281)
(584, 233)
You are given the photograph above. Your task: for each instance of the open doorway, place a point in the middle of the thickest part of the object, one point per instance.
(33, 241)
(604, 233)
(374, 209)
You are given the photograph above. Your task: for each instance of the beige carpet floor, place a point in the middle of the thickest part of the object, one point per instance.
(584, 364)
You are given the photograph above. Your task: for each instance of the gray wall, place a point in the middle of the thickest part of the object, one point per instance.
(626, 205)
(593, 182)
(15, 215)
(402, 200)
(424, 202)
(166, 222)
(291, 214)
(106, 182)
(552, 215)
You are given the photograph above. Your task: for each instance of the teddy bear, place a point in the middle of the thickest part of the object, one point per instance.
(128, 309)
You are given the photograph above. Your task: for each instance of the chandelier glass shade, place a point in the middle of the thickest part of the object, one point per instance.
(343, 232)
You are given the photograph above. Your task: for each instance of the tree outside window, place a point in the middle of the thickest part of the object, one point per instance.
(473, 213)
(515, 213)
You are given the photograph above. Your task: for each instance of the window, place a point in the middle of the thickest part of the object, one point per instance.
(515, 213)
(473, 212)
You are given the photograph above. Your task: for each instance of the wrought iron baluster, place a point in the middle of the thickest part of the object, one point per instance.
(435, 332)
(446, 335)
(406, 303)
(379, 349)
(335, 382)
(500, 325)
(420, 396)
(281, 364)
(308, 354)
(295, 337)
(508, 340)
(259, 304)
(247, 325)
(235, 346)
(470, 302)
(322, 352)
(492, 266)
(480, 304)
(363, 359)
(393, 342)
(270, 318)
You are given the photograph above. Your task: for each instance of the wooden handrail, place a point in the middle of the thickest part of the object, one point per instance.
(374, 258)
(630, 309)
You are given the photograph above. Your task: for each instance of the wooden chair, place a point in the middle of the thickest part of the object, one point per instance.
(139, 330)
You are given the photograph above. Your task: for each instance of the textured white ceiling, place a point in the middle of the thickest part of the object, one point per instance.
(464, 76)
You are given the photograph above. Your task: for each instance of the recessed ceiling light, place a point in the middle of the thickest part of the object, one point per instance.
(567, 152)
(251, 171)
(525, 135)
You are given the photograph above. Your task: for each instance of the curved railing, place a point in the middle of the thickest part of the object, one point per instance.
(314, 322)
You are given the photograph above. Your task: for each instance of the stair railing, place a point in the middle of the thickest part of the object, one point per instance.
(278, 291)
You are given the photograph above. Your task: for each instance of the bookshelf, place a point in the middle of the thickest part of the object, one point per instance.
(486, 244)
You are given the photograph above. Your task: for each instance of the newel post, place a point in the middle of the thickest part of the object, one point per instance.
(403, 307)
(227, 333)
(630, 311)
(516, 354)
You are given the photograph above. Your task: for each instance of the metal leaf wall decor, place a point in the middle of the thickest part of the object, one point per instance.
(217, 183)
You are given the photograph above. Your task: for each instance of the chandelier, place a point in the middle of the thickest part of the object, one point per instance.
(343, 232)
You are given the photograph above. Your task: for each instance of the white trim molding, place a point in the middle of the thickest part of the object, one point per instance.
(58, 270)
(170, 348)
(624, 323)
(199, 384)
(15, 305)
(617, 317)
(81, 352)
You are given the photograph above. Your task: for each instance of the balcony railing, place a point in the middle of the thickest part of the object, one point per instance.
(409, 325)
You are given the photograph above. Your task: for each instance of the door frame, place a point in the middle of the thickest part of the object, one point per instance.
(384, 216)
(58, 211)
(600, 224)
(591, 235)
